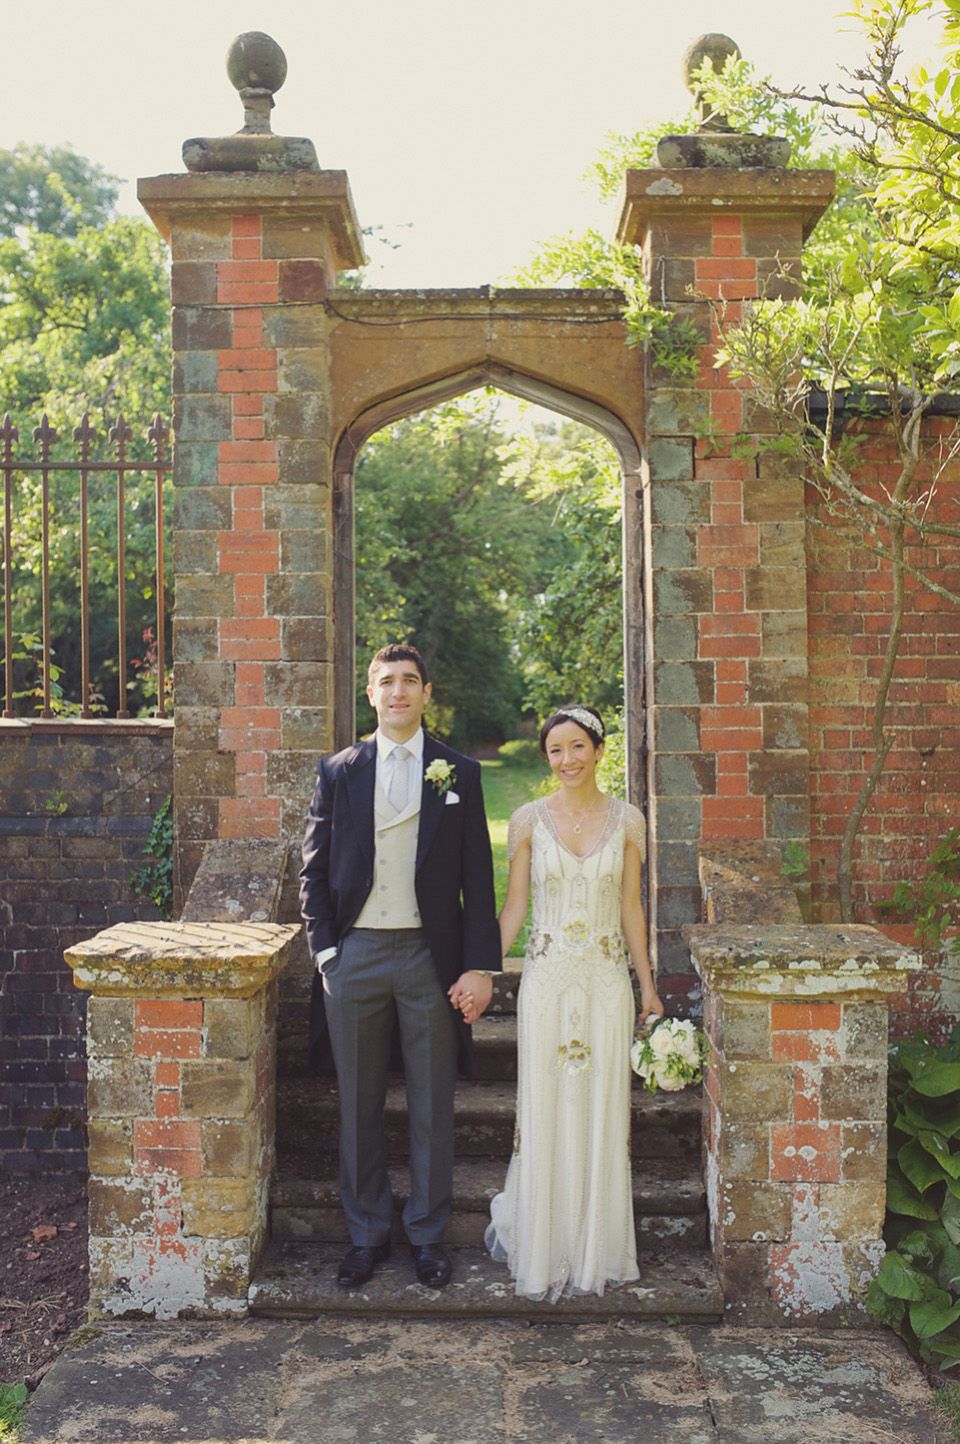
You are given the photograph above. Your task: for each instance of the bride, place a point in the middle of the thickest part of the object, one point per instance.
(564, 1221)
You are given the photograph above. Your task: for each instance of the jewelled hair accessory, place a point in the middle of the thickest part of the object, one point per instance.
(583, 718)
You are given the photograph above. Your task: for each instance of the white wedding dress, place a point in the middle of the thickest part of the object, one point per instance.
(564, 1222)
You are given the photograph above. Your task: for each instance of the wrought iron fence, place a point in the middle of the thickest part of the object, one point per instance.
(27, 539)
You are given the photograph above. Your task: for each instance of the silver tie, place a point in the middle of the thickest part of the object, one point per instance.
(398, 792)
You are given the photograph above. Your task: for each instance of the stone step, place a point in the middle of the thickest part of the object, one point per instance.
(668, 1200)
(298, 1280)
(495, 1049)
(505, 988)
(663, 1125)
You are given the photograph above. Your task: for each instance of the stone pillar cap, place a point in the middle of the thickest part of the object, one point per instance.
(813, 962)
(181, 960)
(715, 144)
(256, 67)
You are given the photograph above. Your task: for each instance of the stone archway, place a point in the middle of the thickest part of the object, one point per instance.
(542, 393)
(280, 376)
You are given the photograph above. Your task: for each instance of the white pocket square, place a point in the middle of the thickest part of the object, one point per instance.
(451, 797)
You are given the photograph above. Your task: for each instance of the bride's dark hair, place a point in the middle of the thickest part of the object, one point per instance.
(588, 718)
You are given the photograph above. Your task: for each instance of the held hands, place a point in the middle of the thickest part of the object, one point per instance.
(471, 994)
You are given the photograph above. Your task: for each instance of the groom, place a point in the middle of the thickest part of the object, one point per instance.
(396, 891)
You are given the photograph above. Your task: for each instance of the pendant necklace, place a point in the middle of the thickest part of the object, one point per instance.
(578, 826)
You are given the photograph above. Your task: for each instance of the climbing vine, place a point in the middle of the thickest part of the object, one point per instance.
(154, 881)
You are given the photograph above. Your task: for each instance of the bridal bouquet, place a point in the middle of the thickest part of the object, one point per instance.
(670, 1055)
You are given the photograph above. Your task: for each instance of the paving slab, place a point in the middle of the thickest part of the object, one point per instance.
(832, 1388)
(354, 1380)
(145, 1383)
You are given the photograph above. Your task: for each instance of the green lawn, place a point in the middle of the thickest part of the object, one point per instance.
(505, 788)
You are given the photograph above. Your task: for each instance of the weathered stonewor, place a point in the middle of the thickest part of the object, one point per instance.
(725, 560)
(180, 1093)
(794, 1120)
(257, 234)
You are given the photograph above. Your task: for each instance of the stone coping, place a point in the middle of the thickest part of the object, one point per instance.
(561, 303)
(238, 880)
(787, 960)
(308, 193)
(660, 192)
(114, 726)
(182, 960)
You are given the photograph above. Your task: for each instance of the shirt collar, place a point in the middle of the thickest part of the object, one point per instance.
(414, 745)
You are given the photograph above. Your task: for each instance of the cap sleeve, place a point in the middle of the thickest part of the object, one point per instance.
(520, 828)
(635, 829)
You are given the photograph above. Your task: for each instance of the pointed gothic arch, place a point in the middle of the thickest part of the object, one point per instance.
(541, 392)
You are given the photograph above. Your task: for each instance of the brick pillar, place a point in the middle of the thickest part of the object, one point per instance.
(253, 257)
(724, 542)
(181, 1047)
(794, 1124)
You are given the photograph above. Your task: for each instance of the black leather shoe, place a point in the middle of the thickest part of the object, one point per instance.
(432, 1264)
(358, 1265)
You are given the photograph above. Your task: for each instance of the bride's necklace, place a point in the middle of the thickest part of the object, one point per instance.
(574, 816)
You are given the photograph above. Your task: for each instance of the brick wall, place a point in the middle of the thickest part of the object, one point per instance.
(64, 875)
(918, 799)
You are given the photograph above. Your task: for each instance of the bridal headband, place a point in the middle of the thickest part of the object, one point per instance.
(583, 718)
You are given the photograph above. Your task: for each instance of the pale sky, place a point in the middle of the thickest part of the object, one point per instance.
(464, 128)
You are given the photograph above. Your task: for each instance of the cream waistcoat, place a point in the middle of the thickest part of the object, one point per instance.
(393, 899)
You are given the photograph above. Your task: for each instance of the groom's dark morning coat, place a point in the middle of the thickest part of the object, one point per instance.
(454, 867)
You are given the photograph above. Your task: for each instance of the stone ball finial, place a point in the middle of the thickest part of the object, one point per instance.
(256, 62)
(714, 47)
(717, 49)
(257, 67)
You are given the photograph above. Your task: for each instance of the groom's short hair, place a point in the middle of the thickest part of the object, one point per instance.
(398, 652)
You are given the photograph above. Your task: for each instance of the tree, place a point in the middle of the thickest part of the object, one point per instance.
(570, 635)
(54, 190)
(84, 328)
(905, 131)
(85, 322)
(451, 532)
(878, 329)
(500, 557)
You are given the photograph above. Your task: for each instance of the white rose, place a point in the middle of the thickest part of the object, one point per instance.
(661, 1042)
(668, 1081)
(690, 1052)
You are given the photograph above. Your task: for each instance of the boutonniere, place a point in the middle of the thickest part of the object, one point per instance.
(441, 774)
